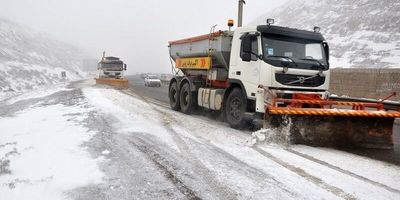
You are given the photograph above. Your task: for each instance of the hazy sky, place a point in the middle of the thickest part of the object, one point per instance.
(137, 31)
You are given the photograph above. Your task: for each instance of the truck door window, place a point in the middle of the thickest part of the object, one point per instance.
(254, 48)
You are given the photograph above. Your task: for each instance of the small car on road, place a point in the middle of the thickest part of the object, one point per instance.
(152, 81)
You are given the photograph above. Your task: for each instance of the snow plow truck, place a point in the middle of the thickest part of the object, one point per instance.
(111, 72)
(279, 75)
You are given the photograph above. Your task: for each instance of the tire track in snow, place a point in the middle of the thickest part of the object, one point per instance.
(207, 176)
(244, 167)
(164, 166)
(127, 169)
(344, 171)
(317, 181)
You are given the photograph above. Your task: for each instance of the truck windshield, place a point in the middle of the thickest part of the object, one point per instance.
(111, 66)
(294, 52)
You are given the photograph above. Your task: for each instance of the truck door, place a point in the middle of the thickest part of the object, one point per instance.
(249, 63)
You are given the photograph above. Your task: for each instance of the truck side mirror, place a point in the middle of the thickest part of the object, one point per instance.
(125, 67)
(326, 48)
(246, 44)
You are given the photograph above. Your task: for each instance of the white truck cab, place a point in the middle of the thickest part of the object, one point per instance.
(280, 60)
(111, 67)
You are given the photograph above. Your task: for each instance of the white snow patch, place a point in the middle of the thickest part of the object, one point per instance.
(381, 172)
(48, 157)
(39, 92)
(351, 185)
(105, 152)
(238, 145)
(132, 114)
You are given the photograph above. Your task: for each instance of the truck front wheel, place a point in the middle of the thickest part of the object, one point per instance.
(174, 96)
(235, 108)
(187, 99)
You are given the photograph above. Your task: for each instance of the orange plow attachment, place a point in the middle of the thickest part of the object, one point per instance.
(119, 83)
(324, 122)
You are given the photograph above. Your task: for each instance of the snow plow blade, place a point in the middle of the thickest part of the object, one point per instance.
(335, 123)
(118, 83)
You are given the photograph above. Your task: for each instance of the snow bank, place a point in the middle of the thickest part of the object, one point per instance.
(37, 93)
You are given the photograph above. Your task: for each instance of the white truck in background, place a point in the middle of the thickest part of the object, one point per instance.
(111, 72)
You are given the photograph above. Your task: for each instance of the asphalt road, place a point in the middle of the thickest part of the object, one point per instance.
(157, 93)
(161, 94)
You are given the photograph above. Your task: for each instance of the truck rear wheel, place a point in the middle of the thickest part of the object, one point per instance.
(235, 109)
(174, 96)
(187, 99)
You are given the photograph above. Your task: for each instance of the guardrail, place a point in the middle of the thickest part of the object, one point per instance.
(390, 105)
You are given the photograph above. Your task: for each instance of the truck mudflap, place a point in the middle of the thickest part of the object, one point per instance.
(118, 83)
(319, 122)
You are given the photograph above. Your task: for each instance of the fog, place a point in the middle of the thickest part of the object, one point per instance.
(136, 31)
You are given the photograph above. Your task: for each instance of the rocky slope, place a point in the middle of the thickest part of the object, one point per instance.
(361, 33)
(29, 59)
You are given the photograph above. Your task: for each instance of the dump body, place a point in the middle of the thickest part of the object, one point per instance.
(216, 45)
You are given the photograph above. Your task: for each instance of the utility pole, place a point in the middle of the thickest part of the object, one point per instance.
(240, 13)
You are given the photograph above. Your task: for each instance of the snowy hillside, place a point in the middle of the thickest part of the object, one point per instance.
(29, 59)
(361, 33)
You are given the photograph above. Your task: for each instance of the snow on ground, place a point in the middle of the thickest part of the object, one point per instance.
(38, 92)
(144, 150)
(355, 186)
(133, 115)
(18, 78)
(382, 172)
(29, 59)
(41, 152)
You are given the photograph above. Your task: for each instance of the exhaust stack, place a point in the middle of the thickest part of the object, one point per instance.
(240, 12)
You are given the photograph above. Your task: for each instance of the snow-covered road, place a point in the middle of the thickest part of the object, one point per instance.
(90, 142)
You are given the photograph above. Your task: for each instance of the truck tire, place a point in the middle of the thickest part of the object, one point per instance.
(174, 97)
(235, 109)
(187, 99)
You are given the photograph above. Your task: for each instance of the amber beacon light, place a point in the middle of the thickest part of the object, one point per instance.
(230, 23)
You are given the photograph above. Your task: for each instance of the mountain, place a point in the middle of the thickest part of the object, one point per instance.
(361, 33)
(29, 59)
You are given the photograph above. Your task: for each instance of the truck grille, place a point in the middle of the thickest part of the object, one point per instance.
(299, 80)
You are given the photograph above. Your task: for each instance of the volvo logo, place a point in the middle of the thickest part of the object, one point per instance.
(301, 79)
